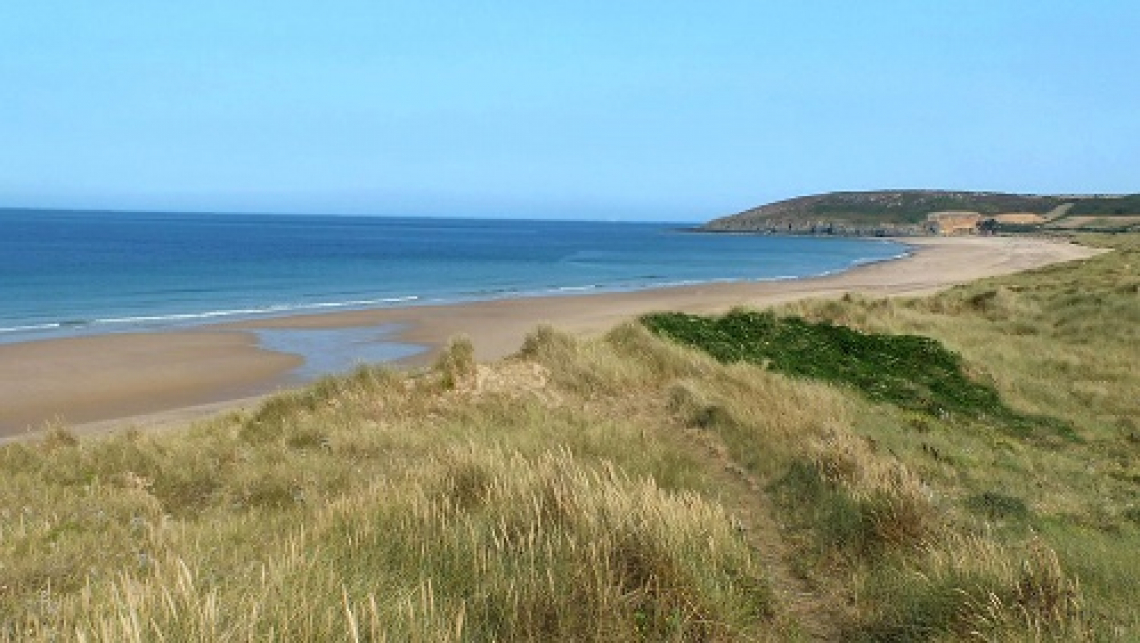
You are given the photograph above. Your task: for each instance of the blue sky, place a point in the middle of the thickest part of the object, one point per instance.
(660, 110)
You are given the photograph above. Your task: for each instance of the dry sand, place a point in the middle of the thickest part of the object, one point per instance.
(156, 379)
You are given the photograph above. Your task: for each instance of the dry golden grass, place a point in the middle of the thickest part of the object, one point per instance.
(1062, 342)
(465, 503)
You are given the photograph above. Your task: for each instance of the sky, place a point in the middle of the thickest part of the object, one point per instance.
(663, 110)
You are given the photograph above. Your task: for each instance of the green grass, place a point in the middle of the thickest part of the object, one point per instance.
(630, 488)
(1056, 348)
(1059, 342)
(909, 371)
(1126, 204)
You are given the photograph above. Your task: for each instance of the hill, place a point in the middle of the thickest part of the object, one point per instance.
(906, 211)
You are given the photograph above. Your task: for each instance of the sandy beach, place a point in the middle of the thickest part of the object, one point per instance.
(162, 378)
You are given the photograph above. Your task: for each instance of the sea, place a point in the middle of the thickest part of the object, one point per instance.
(73, 273)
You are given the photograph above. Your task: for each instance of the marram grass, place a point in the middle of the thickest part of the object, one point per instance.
(475, 545)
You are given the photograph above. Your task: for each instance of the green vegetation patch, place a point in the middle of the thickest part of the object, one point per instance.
(909, 371)
(1107, 206)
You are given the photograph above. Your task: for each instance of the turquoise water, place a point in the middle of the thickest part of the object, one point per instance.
(336, 350)
(68, 273)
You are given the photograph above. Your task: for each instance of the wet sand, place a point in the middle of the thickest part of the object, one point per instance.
(86, 379)
(163, 378)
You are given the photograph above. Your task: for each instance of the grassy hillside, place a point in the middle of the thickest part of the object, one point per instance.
(1124, 205)
(630, 488)
(901, 211)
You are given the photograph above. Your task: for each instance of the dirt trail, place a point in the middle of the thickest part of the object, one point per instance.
(801, 609)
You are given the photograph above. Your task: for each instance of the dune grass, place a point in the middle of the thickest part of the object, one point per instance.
(624, 488)
(1061, 342)
(908, 371)
(378, 507)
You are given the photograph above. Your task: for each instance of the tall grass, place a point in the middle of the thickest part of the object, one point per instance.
(476, 544)
(462, 503)
(1059, 342)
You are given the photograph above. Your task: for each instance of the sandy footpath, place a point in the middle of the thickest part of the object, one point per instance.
(170, 377)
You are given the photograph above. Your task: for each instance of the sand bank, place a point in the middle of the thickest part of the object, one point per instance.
(86, 379)
(159, 378)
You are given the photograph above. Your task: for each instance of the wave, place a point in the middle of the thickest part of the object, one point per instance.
(20, 330)
(174, 318)
(264, 310)
(866, 261)
(31, 328)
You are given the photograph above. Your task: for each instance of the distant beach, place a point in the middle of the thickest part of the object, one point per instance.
(159, 378)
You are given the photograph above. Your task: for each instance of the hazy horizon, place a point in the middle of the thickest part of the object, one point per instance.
(660, 111)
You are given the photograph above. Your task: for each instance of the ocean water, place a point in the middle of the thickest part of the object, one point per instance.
(68, 273)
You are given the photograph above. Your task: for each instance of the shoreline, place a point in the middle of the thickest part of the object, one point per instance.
(214, 313)
(102, 382)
